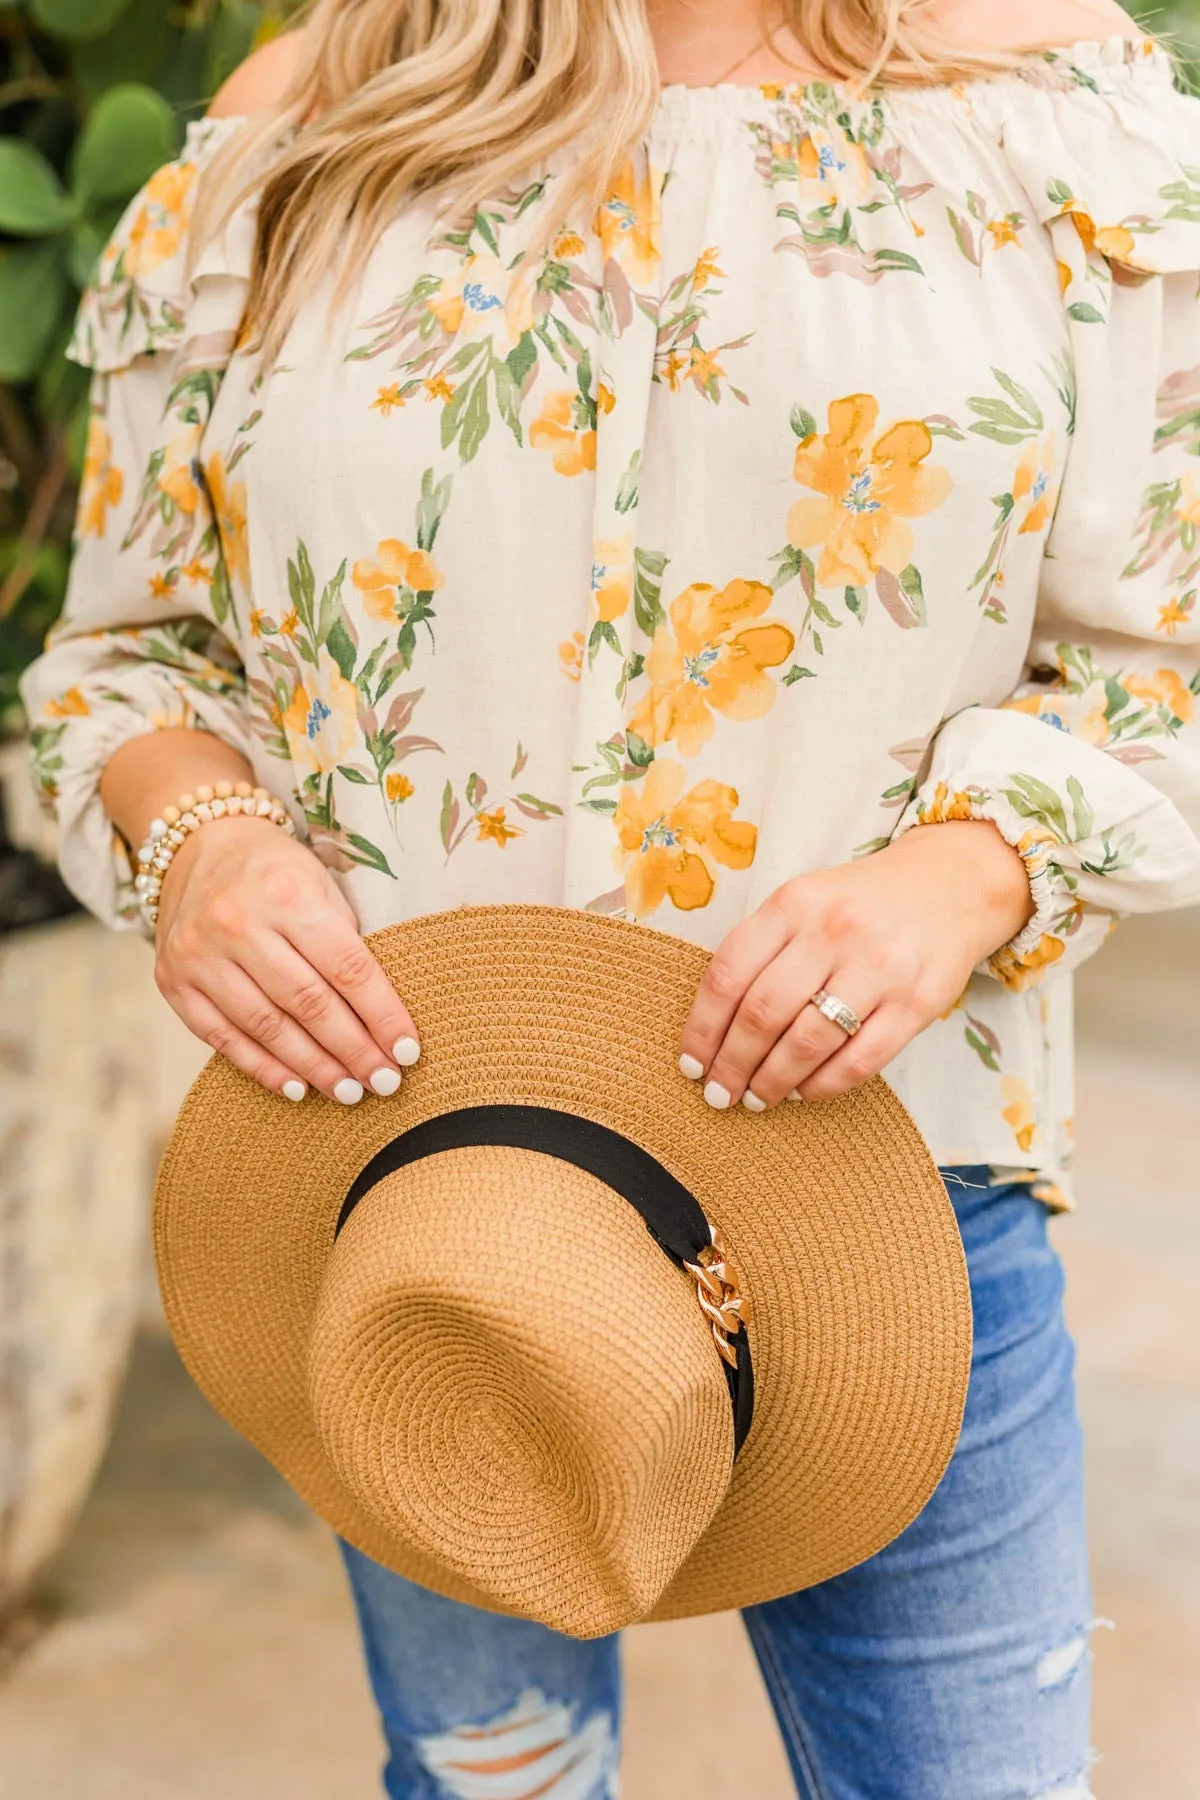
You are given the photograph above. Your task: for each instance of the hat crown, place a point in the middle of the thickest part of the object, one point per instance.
(500, 1353)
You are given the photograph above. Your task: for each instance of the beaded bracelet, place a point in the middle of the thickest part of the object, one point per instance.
(226, 799)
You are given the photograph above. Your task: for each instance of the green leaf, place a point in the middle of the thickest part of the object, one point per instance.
(34, 294)
(796, 673)
(1085, 818)
(546, 808)
(599, 806)
(522, 357)
(130, 132)
(77, 20)
(368, 854)
(910, 581)
(1022, 396)
(354, 775)
(627, 487)
(639, 752)
(1083, 314)
(1058, 193)
(340, 646)
(802, 422)
(32, 201)
(856, 603)
(647, 589)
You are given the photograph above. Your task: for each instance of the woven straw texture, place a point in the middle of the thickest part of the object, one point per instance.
(494, 1382)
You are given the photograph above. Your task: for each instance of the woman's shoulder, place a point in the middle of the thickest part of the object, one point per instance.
(265, 78)
(1012, 26)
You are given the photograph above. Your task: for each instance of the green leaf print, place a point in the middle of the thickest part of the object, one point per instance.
(796, 673)
(354, 775)
(1058, 193)
(639, 752)
(802, 423)
(1085, 818)
(649, 567)
(342, 648)
(431, 507)
(856, 603)
(1084, 314)
(369, 855)
(1033, 799)
(627, 487)
(330, 608)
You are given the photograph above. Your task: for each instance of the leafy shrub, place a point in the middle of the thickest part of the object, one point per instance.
(94, 95)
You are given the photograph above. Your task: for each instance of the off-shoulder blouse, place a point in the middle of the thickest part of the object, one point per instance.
(838, 475)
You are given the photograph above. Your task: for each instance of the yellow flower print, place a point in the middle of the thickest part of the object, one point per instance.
(605, 398)
(492, 825)
(1004, 231)
(255, 621)
(1032, 483)
(1174, 613)
(229, 510)
(706, 270)
(629, 222)
(574, 448)
(397, 787)
(103, 483)
(1065, 275)
(197, 571)
(666, 839)
(570, 655)
(485, 300)
(158, 227)
(398, 567)
(568, 244)
(1020, 972)
(675, 368)
(945, 804)
(289, 622)
(711, 657)
(869, 487)
(438, 388)
(321, 722)
(832, 166)
(1187, 507)
(1019, 1111)
(1164, 689)
(612, 576)
(70, 705)
(177, 477)
(386, 399)
(1113, 241)
(703, 367)
(161, 586)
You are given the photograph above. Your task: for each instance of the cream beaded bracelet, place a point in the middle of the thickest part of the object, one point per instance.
(225, 799)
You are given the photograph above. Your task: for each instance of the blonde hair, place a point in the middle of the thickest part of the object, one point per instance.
(460, 98)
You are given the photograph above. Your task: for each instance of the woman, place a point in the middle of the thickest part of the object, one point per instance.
(652, 464)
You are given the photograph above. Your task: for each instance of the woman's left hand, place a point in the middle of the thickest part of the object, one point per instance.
(895, 937)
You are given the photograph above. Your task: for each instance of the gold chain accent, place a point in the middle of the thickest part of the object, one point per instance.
(718, 1288)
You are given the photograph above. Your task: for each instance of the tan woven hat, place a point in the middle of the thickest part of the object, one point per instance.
(442, 1316)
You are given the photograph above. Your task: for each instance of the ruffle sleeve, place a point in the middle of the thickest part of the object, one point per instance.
(148, 637)
(1091, 768)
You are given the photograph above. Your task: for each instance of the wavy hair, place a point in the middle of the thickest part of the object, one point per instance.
(459, 98)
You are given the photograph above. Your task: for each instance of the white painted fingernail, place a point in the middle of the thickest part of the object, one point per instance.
(406, 1051)
(794, 1095)
(717, 1096)
(294, 1090)
(690, 1067)
(385, 1081)
(752, 1103)
(348, 1091)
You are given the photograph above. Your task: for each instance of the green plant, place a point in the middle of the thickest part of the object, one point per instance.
(94, 95)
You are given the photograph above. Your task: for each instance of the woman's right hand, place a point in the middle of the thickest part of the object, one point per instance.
(259, 953)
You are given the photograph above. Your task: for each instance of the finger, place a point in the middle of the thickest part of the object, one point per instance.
(304, 995)
(882, 1037)
(768, 1010)
(812, 1039)
(741, 958)
(240, 1000)
(806, 1046)
(336, 951)
(210, 1025)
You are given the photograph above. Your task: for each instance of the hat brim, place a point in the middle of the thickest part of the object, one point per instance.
(848, 1245)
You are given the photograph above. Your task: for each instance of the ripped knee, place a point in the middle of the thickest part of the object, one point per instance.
(535, 1751)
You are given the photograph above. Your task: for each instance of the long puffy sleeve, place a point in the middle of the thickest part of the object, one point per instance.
(1092, 767)
(146, 640)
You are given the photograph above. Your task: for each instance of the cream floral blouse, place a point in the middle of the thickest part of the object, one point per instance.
(839, 475)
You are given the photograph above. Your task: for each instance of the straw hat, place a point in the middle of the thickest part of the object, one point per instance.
(442, 1316)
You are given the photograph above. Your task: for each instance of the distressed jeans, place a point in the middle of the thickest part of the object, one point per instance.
(954, 1665)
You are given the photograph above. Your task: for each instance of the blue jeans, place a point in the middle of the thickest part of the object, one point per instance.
(952, 1666)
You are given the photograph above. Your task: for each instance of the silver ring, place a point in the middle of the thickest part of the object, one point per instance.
(837, 1012)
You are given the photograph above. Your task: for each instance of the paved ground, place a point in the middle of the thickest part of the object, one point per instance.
(194, 1642)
